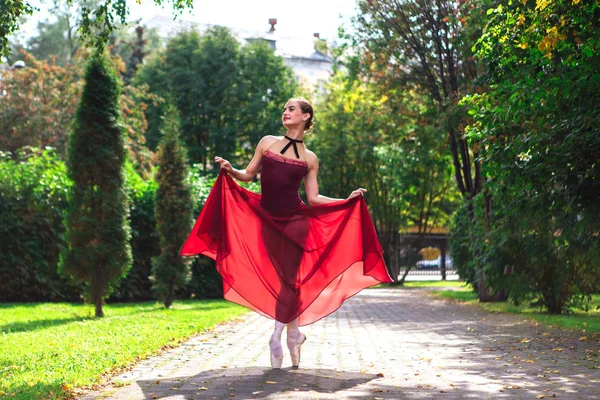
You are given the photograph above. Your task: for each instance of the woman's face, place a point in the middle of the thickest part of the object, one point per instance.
(293, 115)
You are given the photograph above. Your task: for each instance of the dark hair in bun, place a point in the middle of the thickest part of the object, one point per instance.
(306, 108)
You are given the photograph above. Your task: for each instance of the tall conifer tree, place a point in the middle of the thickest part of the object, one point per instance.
(98, 253)
(173, 210)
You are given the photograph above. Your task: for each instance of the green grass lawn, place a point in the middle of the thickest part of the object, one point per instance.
(585, 321)
(436, 284)
(48, 349)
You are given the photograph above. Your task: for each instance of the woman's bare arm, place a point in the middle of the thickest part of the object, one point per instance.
(248, 174)
(311, 184)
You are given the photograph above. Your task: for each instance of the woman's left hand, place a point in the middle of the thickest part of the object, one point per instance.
(356, 193)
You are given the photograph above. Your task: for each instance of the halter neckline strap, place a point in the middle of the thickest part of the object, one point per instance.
(290, 143)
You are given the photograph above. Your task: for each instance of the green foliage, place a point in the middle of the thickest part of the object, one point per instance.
(144, 239)
(98, 253)
(538, 124)
(173, 211)
(38, 105)
(48, 350)
(11, 11)
(386, 142)
(33, 191)
(265, 86)
(57, 38)
(227, 97)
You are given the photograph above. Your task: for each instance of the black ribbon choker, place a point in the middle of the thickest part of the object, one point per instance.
(291, 142)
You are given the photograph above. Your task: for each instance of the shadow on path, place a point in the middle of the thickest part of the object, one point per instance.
(255, 383)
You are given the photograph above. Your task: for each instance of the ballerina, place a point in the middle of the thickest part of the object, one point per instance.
(287, 261)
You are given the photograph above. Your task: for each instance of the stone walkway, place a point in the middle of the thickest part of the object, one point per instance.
(381, 344)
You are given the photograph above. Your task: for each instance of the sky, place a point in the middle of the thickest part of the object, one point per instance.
(298, 18)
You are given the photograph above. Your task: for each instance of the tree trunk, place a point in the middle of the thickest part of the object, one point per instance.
(443, 262)
(170, 294)
(486, 294)
(401, 280)
(99, 311)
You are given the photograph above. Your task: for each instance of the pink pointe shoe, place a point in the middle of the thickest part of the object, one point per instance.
(276, 352)
(293, 344)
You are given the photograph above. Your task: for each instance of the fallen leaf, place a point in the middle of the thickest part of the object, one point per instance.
(270, 382)
(380, 375)
(203, 388)
(583, 338)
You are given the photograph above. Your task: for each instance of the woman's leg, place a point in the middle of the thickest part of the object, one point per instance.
(275, 345)
(294, 341)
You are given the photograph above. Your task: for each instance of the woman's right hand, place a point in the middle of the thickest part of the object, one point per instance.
(358, 192)
(226, 165)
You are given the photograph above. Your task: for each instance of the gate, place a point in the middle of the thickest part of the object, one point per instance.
(406, 257)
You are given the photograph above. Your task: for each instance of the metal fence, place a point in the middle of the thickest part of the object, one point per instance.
(406, 252)
(428, 272)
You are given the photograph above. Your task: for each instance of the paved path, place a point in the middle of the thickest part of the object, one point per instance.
(382, 344)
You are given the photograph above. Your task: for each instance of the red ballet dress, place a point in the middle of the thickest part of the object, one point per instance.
(278, 256)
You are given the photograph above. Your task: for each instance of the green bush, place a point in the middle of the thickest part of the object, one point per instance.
(144, 239)
(537, 121)
(33, 191)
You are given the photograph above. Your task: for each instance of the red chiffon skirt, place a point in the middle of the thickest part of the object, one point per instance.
(301, 263)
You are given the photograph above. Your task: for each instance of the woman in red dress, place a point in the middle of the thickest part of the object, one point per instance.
(287, 261)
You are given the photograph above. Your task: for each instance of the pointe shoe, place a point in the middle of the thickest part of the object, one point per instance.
(293, 345)
(276, 352)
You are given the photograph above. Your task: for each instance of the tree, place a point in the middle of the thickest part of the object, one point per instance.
(382, 140)
(57, 37)
(266, 84)
(97, 233)
(133, 43)
(38, 105)
(227, 97)
(98, 20)
(429, 47)
(173, 211)
(537, 119)
(11, 13)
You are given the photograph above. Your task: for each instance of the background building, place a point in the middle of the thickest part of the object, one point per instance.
(311, 67)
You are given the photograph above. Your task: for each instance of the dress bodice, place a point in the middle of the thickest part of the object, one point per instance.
(280, 180)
